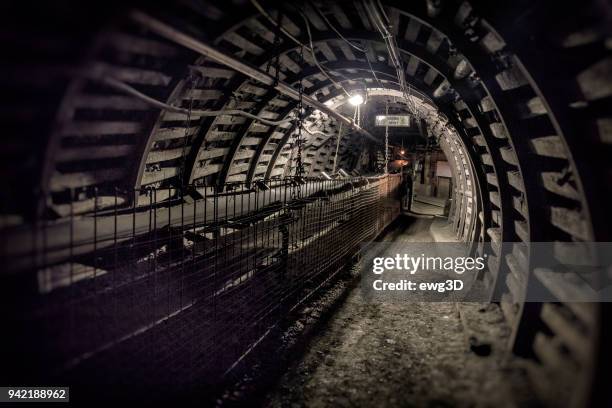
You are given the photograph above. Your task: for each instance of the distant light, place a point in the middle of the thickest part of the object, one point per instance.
(402, 152)
(356, 99)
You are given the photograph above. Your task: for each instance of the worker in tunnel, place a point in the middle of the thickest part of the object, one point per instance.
(406, 188)
(193, 190)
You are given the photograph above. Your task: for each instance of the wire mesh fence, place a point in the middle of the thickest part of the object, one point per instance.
(174, 287)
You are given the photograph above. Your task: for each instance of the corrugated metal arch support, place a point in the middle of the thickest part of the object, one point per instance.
(463, 209)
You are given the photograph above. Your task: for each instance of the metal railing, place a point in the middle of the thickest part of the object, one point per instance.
(178, 290)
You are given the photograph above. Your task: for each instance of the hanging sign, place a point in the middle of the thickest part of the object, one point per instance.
(393, 120)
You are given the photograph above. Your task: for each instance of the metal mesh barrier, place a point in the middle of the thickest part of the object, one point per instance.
(177, 287)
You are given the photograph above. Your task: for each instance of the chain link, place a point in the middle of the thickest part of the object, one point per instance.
(299, 165)
(387, 139)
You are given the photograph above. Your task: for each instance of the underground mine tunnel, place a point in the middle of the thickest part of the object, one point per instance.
(310, 203)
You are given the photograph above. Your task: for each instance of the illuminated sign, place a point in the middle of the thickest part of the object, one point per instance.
(393, 120)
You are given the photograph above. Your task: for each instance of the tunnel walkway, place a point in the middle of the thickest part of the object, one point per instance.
(410, 354)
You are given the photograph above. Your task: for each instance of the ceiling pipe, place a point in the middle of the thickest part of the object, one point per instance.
(206, 50)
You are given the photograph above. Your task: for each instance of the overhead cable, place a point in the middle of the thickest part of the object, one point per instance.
(352, 44)
(128, 89)
(377, 13)
(309, 47)
(314, 56)
(330, 25)
(264, 13)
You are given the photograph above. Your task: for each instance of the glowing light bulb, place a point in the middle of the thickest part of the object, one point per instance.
(356, 99)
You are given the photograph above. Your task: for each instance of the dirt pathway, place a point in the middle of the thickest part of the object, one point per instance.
(405, 354)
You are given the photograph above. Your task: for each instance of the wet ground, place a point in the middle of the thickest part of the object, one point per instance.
(418, 354)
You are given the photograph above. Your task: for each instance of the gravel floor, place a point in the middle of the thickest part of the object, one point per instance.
(406, 354)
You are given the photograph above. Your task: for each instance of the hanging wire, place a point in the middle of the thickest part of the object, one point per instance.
(337, 148)
(123, 87)
(330, 25)
(299, 170)
(295, 190)
(310, 47)
(192, 82)
(316, 61)
(381, 22)
(365, 53)
(263, 12)
(364, 50)
(276, 59)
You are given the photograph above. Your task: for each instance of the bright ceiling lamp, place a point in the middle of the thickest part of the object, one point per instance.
(356, 99)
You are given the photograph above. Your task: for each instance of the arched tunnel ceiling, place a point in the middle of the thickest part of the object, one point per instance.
(104, 139)
(159, 148)
(206, 145)
(126, 142)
